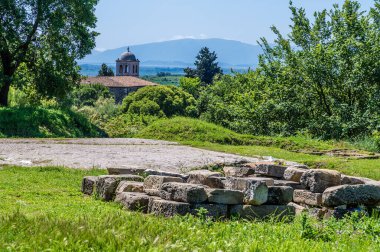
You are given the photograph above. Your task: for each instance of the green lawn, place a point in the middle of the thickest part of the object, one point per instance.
(43, 209)
(164, 80)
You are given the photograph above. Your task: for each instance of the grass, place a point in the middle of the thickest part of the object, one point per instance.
(42, 209)
(45, 122)
(172, 80)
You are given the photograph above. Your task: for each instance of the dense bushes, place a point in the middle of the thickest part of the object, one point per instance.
(44, 122)
(160, 101)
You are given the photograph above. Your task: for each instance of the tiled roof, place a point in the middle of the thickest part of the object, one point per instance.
(118, 81)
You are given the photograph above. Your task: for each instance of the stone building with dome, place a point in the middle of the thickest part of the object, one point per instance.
(126, 80)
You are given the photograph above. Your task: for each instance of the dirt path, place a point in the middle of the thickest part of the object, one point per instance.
(104, 153)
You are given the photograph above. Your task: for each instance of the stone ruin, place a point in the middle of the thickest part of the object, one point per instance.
(253, 191)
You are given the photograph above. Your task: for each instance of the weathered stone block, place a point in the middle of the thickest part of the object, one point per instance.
(307, 197)
(243, 171)
(213, 210)
(153, 183)
(168, 208)
(126, 171)
(352, 195)
(292, 184)
(243, 184)
(222, 196)
(269, 169)
(318, 180)
(206, 177)
(255, 189)
(183, 192)
(279, 195)
(88, 184)
(294, 173)
(130, 186)
(133, 201)
(262, 212)
(297, 208)
(107, 184)
(166, 174)
(350, 180)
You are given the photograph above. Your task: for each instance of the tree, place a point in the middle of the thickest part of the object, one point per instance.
(45, 37)
(105, 71)
(206, 67)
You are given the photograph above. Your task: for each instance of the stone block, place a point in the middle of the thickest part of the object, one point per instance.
(153, 183)
(279, 195)
(262, 212)
(126, 171)
(130, 186)
(214, 211)
(183, 192)
(106, 185)
(352, 195)
(297, 208)
(168, 208)
(294, 173)
(243, 171)
(224, 196)
(350, 180)
(292, 184)
(318, 180)
(307, 198)
(133, 201)
(255, 189)
(269, 169)
(166, 174)
(88, 184)
(206, 177)
(242, 184)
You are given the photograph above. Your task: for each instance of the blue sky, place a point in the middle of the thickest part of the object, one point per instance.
(130, 22)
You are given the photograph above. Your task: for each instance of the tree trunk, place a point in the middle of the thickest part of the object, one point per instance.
(4, 91)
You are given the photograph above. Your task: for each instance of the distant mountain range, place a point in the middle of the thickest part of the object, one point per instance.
(181, 53)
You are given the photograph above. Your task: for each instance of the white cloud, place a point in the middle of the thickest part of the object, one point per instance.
(200, 36)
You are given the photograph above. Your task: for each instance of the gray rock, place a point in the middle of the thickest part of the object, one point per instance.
(183, 192)
(262, 212)
(269, 169)
(88, 184)
(206, 177)
(134, 201)
(126, 171)
(166, 174)
(243, 171)
(243, 184)
(318, 213)
(307, 198)
(223, 196)
(318, 180)
(153, 183)
(130, 186)
(350, 180)
(298, 208)
(255, 189)
(107, 184)
(168, 208)
(352, 195)
(279, 195)
(294, 173)
(292, 184)
(214, 211)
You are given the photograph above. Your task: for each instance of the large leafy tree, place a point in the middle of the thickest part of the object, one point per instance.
(40, 41)
(206, 66)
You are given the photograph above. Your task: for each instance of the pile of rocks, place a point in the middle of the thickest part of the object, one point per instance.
(254, 190)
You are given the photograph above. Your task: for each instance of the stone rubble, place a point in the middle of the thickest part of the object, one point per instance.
(252, 191)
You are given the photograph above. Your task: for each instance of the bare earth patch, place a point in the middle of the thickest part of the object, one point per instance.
(107, 153)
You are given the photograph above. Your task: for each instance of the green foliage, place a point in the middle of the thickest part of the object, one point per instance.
(87, 95)
(171, 80)
(105, 70)
(43, 209)
(191, 86)
(323, 80)
(47, 37)
(128, 125)
(206, 67)
(160, 101)
(44, 122)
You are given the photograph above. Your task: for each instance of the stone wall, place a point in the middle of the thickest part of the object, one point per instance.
(121, 92)
(253, 191)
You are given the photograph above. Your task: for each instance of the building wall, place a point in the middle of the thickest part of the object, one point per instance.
(128, 68)
(121, 92)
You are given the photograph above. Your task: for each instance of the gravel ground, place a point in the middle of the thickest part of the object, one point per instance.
(110, 153)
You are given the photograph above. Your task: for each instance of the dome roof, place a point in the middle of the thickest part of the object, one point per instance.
(128, 56)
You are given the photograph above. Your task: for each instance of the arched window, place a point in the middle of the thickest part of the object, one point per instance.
(121, 69)
(126, 69)
(133, 69)
(137, 69)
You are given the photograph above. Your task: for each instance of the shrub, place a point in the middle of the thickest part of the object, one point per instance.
(128, 125)
(160, 101)
(87, 95)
